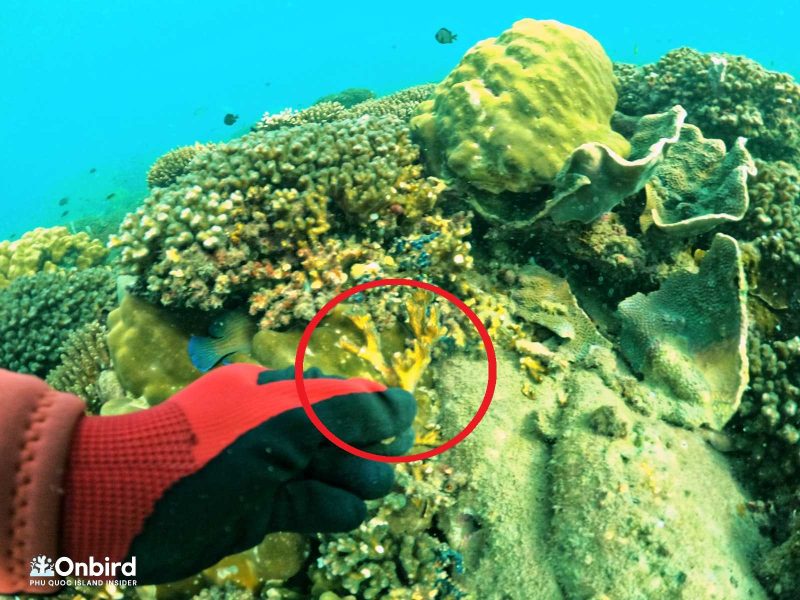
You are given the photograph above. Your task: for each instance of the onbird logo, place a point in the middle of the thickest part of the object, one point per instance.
(42, 566)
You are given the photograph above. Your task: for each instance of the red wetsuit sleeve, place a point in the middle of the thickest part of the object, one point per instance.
(36, 426)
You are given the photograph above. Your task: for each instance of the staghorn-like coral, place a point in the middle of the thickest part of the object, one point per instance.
(274, 216)
(509, 115)
(84, 357)
(168, 167)
(38, 313)
(726, 96)
(48, 250)
(401, 104)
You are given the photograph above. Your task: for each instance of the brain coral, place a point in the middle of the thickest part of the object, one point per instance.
(38, 313)
(726, 96)
(48, 250)
(271, 215)
(508, 116)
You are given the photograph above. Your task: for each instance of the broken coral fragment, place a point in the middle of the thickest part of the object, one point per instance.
(689, 338)
(544, 299)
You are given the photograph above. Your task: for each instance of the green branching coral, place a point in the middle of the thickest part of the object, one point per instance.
(85, 356)
(281, 217)
(48, 250)
(726, 96)
(401, 104)
(38, 313)
(508, 116)
(173, 164)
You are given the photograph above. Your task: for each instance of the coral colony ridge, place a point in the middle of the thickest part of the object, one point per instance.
(629, 235)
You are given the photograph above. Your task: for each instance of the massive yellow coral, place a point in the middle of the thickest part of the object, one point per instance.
(149, 350)
(48, 250)
(508, 116)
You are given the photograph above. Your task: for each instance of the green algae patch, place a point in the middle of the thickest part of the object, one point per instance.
(509, 115)
(689, 338)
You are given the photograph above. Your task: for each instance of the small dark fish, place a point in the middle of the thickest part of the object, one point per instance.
(63, 201)
(65, 213)
(111, 195)
(445, 36)
(92, 171)
(230, 119)
(229, 334)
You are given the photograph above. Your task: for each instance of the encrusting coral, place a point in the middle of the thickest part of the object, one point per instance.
(509, 115)
(173, 164)
(282, 217)
(48, 250)
(726, 97)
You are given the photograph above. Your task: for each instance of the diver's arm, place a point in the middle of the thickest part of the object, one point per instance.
(205, 474)
(36, 425)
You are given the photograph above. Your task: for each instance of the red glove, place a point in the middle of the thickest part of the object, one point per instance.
(225, 461)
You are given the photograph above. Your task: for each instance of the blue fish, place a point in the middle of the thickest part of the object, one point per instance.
(229, 334)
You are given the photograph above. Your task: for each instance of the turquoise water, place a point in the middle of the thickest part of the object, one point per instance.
(112, 85)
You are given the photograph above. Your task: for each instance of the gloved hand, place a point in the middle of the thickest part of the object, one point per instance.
(225, 461)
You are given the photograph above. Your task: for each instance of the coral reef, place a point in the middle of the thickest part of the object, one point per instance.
(726, 97)
(149, 349)
(274, 216)
(393, 554)
(39, 312)
(689, 338)
(401, 104)
(772, 227)
(767, 427)
(349, 97)
(692, 184)
(48, 250)
(84, 357)
(509, 115)
(168, 167)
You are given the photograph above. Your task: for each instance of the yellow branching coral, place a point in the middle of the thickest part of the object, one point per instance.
(407, 367)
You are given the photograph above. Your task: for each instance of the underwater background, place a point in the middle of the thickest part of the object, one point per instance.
(113, 85)
(614, 190)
